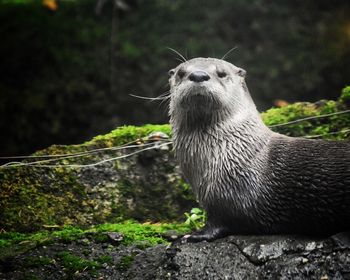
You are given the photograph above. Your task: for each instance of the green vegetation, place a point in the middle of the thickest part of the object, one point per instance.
(133, 233)
(31, 201)
(139, 235)
(125, 262)
(196, 218)
(345, 97)
(104, 259)
(326, 128)
(38, 261)
(127, 134)
(27, 202)
(74, 263)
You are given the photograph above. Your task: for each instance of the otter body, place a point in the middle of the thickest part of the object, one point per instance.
(249, 179)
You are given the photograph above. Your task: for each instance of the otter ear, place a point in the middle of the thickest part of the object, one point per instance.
(171, 72)
(241, 72)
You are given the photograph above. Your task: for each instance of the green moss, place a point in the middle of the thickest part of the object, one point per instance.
(33, 198)
(68, 234)
(27, 202)
(74, 263)
(140, 235)
(133, 232)
(326, 127)
(104, 259)
(38, 261)
(126, 134)
(345, 96)
(125, 262)
(144, 191)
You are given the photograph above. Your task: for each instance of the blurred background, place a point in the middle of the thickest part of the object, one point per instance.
(67, 67)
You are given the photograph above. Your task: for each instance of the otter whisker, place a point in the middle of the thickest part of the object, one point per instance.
(227, 53)
(183, 59)
(147, 98)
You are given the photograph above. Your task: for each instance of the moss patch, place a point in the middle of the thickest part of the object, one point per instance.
(73, 263)
(141, 235)
(125, 262)
(38, 261)
(126, 134)
(26, 200)
(326, 127)
(32, 198)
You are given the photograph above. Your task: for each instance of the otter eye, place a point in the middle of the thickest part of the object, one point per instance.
(241, 73)
(171, 72)
(181, 73)
(222, 74)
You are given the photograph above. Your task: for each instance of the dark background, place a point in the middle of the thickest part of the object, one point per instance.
(67, 67)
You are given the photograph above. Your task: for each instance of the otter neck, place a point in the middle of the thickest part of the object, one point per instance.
(230, 149)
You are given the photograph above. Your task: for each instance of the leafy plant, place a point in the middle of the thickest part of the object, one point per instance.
(196, 218)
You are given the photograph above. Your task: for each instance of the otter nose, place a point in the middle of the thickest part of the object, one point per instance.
(199, 76)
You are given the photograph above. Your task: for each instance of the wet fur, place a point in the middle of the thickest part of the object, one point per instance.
(249, 179)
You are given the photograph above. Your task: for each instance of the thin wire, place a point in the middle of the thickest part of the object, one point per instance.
(93, 164)
(311, 118)
(128, 145)
(15, 163)
(61, 156)
(79, 153)
(329, 133)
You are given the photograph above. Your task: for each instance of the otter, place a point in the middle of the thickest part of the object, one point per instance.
(249, 179)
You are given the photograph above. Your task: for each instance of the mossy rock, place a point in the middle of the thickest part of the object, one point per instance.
(330, 127)
(146, 186)
(33, 198)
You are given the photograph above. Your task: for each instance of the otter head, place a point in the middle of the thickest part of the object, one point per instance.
(208, 90)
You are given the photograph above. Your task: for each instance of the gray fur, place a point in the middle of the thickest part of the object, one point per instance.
(248, 178)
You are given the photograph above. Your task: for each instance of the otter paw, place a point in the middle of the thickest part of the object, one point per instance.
(207, 234)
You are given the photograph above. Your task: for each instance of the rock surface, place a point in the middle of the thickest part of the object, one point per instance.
(145, 186)
(234, 257)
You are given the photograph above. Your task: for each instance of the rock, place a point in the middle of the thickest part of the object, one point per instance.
(245, 257)
(234, 257)
(115, 237)
(31, 197)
